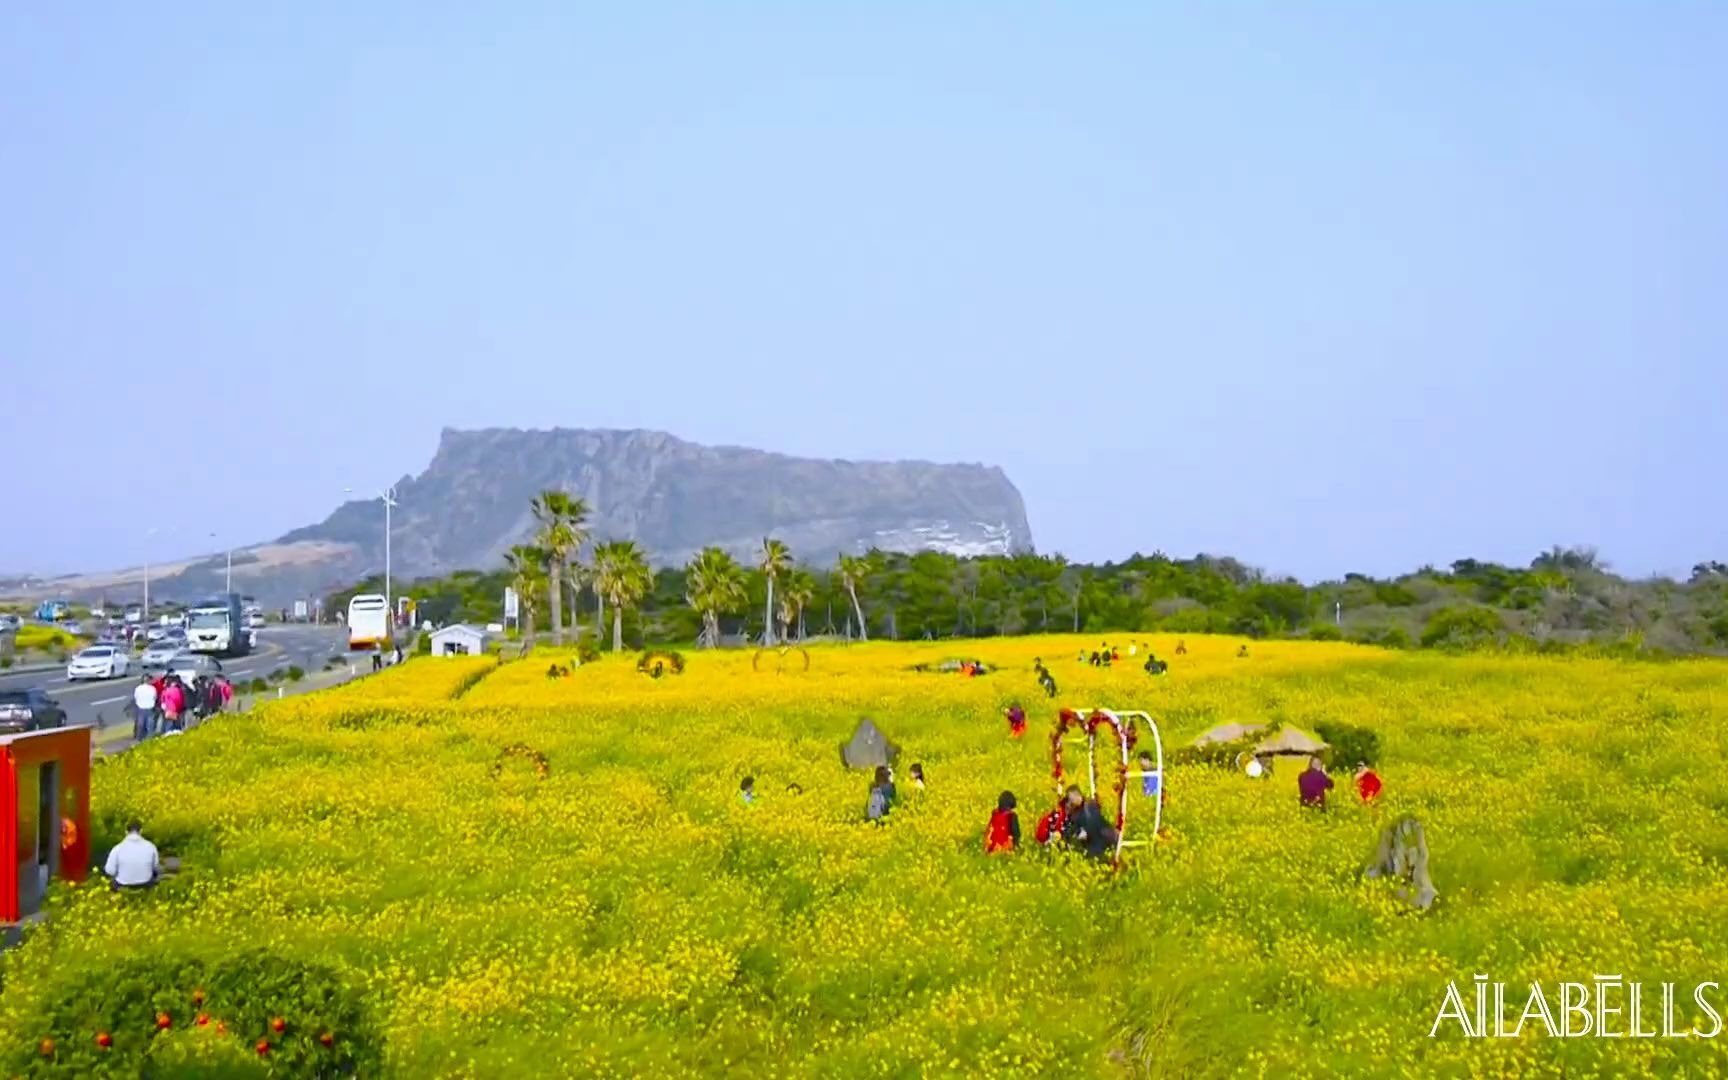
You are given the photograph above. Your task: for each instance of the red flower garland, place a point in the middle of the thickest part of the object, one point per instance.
(1125, 735)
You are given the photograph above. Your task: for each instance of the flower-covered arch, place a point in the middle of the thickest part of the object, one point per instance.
(1122, 737)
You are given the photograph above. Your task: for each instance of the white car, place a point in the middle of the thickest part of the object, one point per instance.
(190, 665)
(160, 653)
(98, 662)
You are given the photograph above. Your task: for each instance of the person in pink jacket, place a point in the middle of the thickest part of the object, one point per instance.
(173, 704)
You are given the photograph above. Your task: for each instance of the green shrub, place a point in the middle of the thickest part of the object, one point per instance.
(1219, 755)
(587, 650)
(1325, 631)
(423, 644)
(1386, 637)
(1462, 628)
(294, 673)
(5, 662)
(1350, 745)
(240, 996)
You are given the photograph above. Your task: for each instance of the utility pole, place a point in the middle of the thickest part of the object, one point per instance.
(389, 497)
(228, 573)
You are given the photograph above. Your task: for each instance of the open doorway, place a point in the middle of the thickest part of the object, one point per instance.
(38, 852)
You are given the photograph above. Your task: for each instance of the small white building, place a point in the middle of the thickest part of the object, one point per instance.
(458, 639)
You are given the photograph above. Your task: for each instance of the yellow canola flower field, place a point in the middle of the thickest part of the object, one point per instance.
(517, 875)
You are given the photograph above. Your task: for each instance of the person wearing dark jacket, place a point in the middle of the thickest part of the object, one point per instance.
(1086, 829)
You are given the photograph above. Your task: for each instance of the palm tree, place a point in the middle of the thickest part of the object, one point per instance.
(527, 570)
(563, 520)
(773, 560)
(713, 584)
(622, 575)
(854, 569)
(799, 591)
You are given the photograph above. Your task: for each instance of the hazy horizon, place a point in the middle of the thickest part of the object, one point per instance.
(1326, 289)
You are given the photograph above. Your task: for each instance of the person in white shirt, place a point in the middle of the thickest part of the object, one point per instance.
(144, 705)
(133, 864)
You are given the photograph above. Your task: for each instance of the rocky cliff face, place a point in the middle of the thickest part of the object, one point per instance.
(672, 497)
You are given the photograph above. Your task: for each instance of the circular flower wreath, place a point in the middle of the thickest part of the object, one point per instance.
(785, 657)
(542, 767)
(1125, 736)
(657, 662)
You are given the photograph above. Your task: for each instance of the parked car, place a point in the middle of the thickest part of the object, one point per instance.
(97, 662)
(73, 627)
(190, 665)
(158, 654)
(9, 622)
(29, 710)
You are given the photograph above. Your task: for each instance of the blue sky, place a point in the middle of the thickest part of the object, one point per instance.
(1325, 286)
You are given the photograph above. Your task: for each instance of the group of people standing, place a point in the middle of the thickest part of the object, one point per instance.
(166, 704)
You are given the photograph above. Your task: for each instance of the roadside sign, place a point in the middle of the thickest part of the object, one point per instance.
(510, 603)
(300, 609)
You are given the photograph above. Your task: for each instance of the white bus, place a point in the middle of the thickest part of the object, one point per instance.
(368, 622)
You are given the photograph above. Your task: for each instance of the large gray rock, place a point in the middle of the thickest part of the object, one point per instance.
(1402, 856)
(674, 498)
(868, 747)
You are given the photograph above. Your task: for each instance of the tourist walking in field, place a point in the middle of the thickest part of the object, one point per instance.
(881, 796)
(1367, 783)
(1313, 785)
(144, 709)
(1016, 720)
(1003, 832)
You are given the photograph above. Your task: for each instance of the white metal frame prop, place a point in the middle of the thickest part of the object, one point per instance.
(1121, 720)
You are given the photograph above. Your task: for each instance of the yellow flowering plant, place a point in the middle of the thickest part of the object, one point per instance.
(517, 875)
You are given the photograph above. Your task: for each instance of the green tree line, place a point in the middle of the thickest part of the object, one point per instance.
(571, 581)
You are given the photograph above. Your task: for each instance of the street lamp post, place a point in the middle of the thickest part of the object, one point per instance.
(228, 573)
(388, 496)
(144, 620)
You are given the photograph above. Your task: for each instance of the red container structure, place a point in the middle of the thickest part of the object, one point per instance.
(44, 815)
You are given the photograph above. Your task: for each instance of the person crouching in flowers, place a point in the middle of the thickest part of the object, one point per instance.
(1003, 832)
(1086, 829)
(918, 776)
(1016, 720)
(881, 796)
(1054, 825)
(747, 791)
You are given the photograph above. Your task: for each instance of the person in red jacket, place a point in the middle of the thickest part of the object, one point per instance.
(1367, 783)
(1003, 832)
(1016, 721)
(1053, 826)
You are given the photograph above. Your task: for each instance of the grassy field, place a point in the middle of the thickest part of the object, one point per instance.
(384, 865)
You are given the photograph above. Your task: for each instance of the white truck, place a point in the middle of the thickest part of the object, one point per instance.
(217, 626)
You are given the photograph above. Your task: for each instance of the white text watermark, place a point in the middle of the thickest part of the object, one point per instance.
(1606, 1007)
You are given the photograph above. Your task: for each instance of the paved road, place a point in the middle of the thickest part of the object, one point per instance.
(104, 703)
